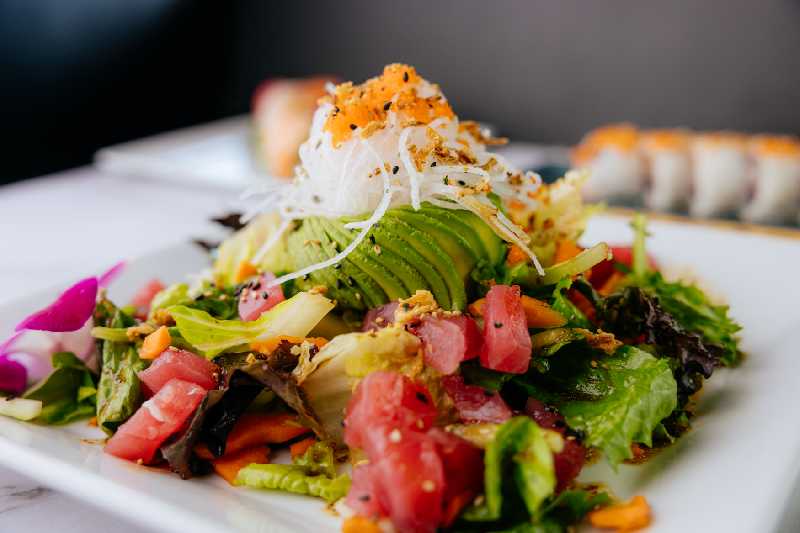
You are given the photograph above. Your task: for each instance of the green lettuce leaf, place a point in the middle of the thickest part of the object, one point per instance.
(68, 393)
(563, 305)
(615, 401)
(119, 390)
(211, 336)
(313, 473)
(687, 304)
(175, 294)
(518, 466)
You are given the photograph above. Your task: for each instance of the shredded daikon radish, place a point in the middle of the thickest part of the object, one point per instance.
(383, 206)
(272, 241)
(411, 168)
(443, 162)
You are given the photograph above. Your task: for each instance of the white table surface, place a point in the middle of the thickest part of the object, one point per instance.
(56, 229)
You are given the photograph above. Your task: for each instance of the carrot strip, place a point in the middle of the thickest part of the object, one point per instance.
(476, 307)
(299, 448)
(566, 249)
(537, 312)
(245, 270)
(269, 345)
(155, 343)
(255, 429)
(540, 315)
(610, 285)
(360, 524)
(229, 465)
(515, 255)
(624, 516)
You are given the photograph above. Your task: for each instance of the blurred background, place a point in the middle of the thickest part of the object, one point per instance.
(84, 74)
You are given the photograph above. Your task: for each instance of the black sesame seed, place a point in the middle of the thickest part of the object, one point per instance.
(265, 295)
(498, 325)
(364, 498)
(421, 397)
(395, 169)
(433, 164)
(316, 199)
(405, 76)
(353, 126)
(462, 182)
(305, 278)
(337, 266)
(372, 239)
(386, 106)
(255, 286)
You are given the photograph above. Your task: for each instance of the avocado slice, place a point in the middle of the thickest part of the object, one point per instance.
(458, 225)
(349, 275)
(387, 238)
(433, 253)
(383, 276)
(496, 248)
(447, 238)
(305, 250)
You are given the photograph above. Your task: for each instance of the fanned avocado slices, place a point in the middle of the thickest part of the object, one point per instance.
(433, 249)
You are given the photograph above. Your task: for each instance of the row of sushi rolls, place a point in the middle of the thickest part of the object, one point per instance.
(714, 174)
(708, 174)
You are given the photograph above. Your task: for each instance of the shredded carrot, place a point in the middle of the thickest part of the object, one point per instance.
(515, 255)
(476, 307)
(582, 303)
(623, 517)
(229, 465)
(245, 270)
(456, 504)
(541, 315)
(299, 448)
(566, 249)
(637, 451)
(268, 346)
(360, 524)
(155, 343)
(610, 285)
(254, 429)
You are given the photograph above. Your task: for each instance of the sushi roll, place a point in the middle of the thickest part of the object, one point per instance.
(611, 156)
(282, 114)
(776, 197)
(721, 174)
(667, 155)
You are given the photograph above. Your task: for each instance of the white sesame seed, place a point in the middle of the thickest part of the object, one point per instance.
(395, 435)
(428, 486)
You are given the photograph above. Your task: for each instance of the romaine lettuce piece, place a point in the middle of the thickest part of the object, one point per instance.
(313, 473)
(346, 359)
(210, 336)
(616, 403)
(119, 390)
(20, 408)
(518, 466)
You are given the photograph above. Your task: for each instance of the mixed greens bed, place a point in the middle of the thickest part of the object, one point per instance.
(425, 369)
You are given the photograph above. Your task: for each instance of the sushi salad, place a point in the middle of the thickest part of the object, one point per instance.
(408, 331)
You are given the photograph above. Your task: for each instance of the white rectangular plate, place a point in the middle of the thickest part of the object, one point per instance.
(734, 471)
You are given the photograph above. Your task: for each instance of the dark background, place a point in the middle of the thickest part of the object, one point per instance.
(81, 74)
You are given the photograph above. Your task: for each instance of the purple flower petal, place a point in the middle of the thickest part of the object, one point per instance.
(107, 277)
(68, 313)
(13, 376)
(37, 365)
